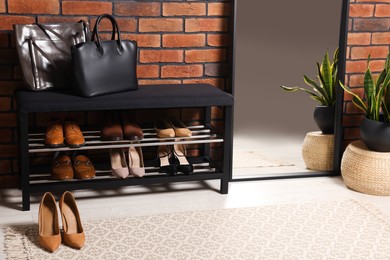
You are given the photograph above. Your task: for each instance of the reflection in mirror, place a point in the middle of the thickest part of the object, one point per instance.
(277, 42)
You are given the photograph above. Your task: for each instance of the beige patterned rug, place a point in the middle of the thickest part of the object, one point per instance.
(253, 159)
(323, 230)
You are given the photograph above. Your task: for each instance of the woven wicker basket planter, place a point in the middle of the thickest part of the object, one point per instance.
(317, 151)
(366, 171)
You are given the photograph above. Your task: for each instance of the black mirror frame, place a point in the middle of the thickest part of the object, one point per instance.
(339, 136)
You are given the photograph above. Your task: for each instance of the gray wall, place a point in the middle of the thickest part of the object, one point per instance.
(277, 43)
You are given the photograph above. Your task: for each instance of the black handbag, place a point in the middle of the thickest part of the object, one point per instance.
(44, 53)
(104, 67)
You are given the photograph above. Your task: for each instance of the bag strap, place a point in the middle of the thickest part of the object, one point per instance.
(115, 30)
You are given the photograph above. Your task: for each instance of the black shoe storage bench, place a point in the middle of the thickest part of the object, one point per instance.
(147, 97)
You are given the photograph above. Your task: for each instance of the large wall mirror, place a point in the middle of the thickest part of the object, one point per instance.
(276, 43)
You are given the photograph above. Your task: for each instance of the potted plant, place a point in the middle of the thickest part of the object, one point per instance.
(323, 91)
(375, 126)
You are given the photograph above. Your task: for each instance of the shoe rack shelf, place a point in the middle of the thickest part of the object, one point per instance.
(38, 179)
(200, 134)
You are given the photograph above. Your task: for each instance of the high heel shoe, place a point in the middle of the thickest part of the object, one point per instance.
(119, 166)
(183, 165)
(166, 161)
(164, 129)
(179, 127)
(73, 231)
(136, 162)
(49, 231)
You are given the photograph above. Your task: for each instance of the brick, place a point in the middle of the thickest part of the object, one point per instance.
(183, 71)
(125, 24)
(216, 82)
(6, 22)
(9, 87)
(4, 39)
(217, 69)
(5, 104)
(218, 9)
(61, 19)
(8, 56)
(356, 66)
(5, 166)
(356, 80)
(8, 119)
(352, 120)
(33, 7)
(160, 25)
(144, 40)
(361, 10)
(158, 81)
(86, 7)
(8, 150)
(183, 9)
(2, 6)
(6, 136)
(183, 40)
(363, 52)
(151, 56)
(206, 25)
(377, 65)
(381, 38)
(210, 55)
(218, 40)
(6, 72)
(148, 71)
(382, 10)
(137, 9)
(351, 133)
(371, 24)
(352, 109)
(373, 1)
(359, 38)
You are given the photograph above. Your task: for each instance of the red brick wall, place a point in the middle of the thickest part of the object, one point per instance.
(180, 42)
(369, 33)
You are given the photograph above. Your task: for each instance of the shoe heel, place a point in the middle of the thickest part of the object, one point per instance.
(166, 163)
(183, 165)
(136, 162)
(119, 166)
(73, 231)
(49, 230)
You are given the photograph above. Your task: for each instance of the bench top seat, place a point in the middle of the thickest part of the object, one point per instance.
(147, 96)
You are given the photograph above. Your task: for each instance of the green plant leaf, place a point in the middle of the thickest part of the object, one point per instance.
(369, 90)
(380, 79)
(356, 100)
(326, 75)
(313, 95)
(318, 88)
(386, 113)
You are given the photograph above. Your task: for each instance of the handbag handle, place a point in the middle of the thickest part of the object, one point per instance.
(115, 30)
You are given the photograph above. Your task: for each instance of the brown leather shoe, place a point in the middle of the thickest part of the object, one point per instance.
(48, 227)
(62, 167)
(132, 131)
(112, 130)
(83, 167)
(73, 135)
(71, 223)
(54, 135)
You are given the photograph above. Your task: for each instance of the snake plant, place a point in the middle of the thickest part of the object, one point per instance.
(376, 96)
(323, 91)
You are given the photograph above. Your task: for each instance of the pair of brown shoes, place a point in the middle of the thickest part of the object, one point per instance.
(48, 224)
(64, 169)
(58, 132)
(117, 129)
(173, 127)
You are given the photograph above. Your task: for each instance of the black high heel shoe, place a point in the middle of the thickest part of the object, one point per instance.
(166, 160)
(179, 151)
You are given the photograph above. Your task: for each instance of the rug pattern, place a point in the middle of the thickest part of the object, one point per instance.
(326, 230)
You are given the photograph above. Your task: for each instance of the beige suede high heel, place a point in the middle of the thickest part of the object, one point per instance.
(136, 162)
(119, 166)
(49, 231)
(73, 231)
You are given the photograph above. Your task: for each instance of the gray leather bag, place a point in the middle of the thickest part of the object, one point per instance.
(44, 53)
